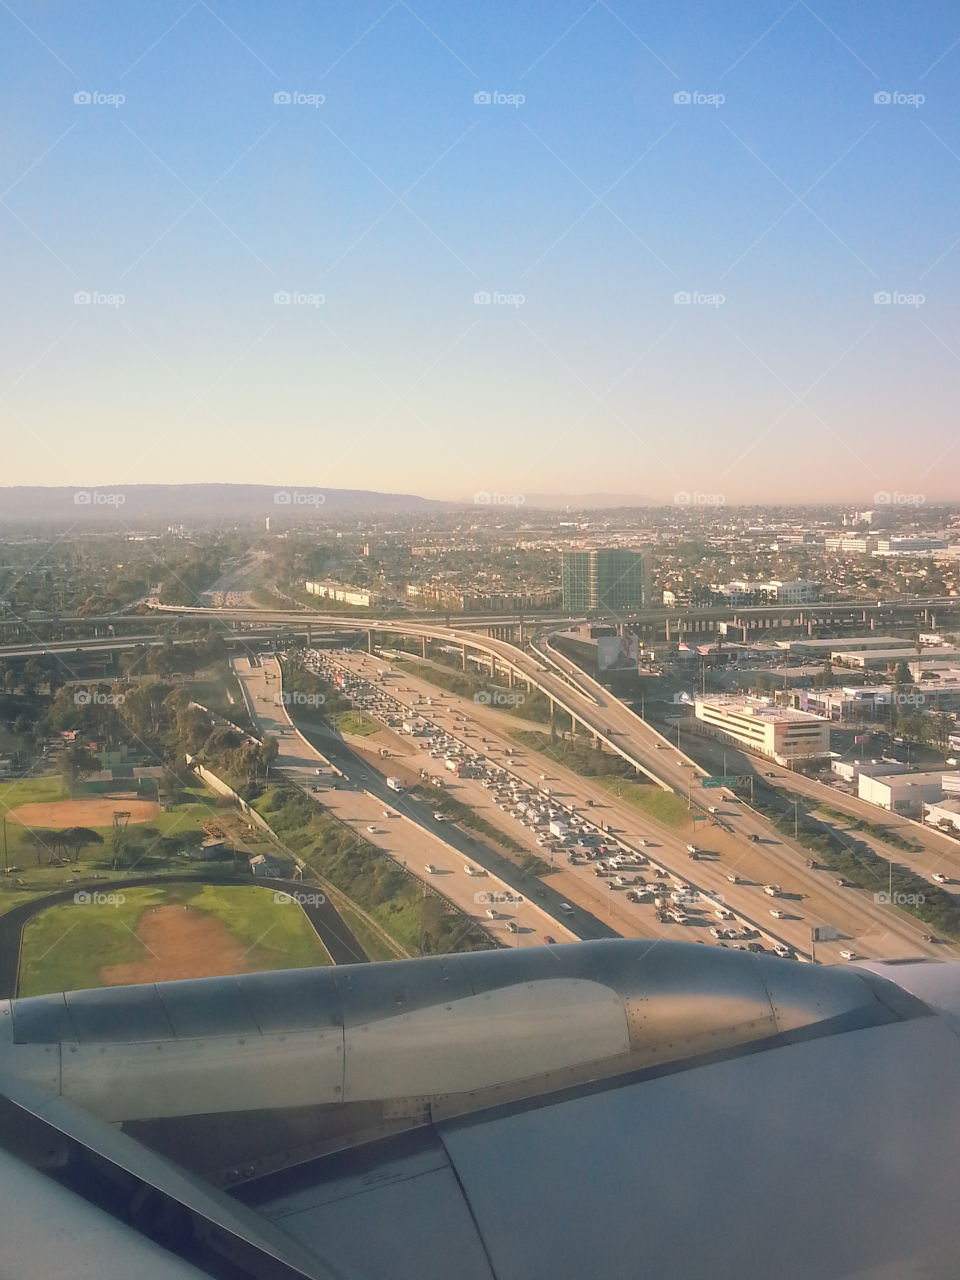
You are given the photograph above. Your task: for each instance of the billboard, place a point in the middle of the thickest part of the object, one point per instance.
(617, 653)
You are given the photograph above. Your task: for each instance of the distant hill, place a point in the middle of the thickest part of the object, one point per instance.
(134, 503)
(587, 501)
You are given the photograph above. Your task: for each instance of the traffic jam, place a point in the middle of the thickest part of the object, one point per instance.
(559, 830)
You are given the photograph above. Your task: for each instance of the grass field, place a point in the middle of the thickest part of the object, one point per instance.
(232, 929)
(354, 722)
(665, 806)
(40, 874)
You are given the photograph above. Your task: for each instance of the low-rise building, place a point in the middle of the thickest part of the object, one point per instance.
(905, 793)
(944, 814)
(839, 644)
(878, 659)
(358, 596)
(782, 733)
(851, 770)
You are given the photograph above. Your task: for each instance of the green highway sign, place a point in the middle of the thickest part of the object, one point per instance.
(719, 782)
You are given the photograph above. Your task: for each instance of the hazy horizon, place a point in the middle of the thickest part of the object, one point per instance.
(408, 248)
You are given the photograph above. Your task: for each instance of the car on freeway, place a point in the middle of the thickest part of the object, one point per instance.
(566, 908)
(777, 913)
(940, 877)
(549, 940)
(753, 838)
(372, 829)
(440, 817)
(430, 868)
(772, 890)
(784, 952)
(512, 926)
(848, 955)
(692, 848)
(734, 879)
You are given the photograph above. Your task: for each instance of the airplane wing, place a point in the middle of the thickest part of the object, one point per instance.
(605, 1109)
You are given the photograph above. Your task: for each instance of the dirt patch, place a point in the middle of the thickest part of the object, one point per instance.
(183, 943)
(97, 811)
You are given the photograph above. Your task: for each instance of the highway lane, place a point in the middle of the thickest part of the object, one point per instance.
(399, 835)
(666, 846)
(875, 930)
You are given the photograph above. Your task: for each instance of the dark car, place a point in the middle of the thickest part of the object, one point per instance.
(754, 837)
(549, 940)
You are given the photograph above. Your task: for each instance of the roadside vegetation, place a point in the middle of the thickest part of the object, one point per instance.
(423, 924)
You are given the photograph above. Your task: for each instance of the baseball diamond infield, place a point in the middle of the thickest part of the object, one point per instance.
(97, 811)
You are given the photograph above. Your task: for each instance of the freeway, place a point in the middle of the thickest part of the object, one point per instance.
(810, 898)
(374, 813)
(889, 931)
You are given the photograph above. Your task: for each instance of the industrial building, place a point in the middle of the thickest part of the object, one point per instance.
(905, 793)
(878, 659)
(611, 579)
(839, 644)
(944, 814)
(782, 733)
(850, 770)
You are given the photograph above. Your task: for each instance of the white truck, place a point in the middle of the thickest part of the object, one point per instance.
(558, 829)
(394, 784)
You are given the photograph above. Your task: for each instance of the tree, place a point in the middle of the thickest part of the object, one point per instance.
(268, 751)
(77, 837)
(77, 761)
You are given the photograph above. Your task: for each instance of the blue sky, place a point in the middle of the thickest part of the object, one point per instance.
(384, 201)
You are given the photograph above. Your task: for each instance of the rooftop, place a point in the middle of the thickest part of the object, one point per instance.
(761, 708)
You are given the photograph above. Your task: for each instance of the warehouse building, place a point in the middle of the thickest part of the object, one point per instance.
(906, 793)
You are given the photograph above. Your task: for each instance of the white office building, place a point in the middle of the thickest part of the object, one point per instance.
(782, 733)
